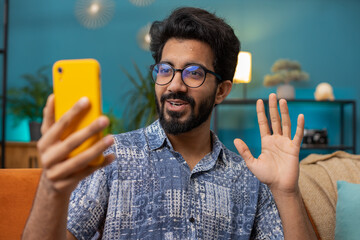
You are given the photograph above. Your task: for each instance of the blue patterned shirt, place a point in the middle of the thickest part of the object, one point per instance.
(149, 192)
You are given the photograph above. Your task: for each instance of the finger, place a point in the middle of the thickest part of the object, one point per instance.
(48, 114)
(299, 130)
(262, 120)
(274, 114)
(74, 114)
(285, 118)
(71, 182)
(64, 148)
(244, 151)
(79, 162)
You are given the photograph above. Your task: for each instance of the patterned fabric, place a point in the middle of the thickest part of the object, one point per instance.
(149, 192)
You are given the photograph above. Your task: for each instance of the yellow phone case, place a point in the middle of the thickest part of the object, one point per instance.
(73, 79)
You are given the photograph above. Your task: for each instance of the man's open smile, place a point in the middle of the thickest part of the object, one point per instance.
(176, 105)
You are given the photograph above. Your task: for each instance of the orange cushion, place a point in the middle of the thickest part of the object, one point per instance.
(17, 191)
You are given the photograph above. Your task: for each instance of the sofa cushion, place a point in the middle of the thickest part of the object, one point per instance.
(318, 177)
(347, 211)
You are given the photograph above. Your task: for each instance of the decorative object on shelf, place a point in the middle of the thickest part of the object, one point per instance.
(285, 71)
(142, 3)
(94, 13)
(315, 138)
(27, 102)
(324, 91)
(285, 91)
(143, 37)
(243, 70)
(140, 109)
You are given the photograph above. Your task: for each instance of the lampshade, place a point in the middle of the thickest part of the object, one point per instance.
(243, 68)
(94, 13)
(143, 37)
(142, 3)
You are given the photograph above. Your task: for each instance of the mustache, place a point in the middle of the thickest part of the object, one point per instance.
(178, 95)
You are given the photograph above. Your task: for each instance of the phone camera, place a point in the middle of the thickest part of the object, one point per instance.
(60, 70)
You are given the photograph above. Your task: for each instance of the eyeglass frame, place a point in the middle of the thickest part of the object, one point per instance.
(217, 76)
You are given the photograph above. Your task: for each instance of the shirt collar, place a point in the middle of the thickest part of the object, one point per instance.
(219, 151)
(157, 138)
(216, 156)
(155, 135)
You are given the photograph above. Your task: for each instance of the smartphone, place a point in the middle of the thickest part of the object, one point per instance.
(72, 80)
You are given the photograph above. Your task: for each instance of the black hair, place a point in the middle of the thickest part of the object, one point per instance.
(198, 24)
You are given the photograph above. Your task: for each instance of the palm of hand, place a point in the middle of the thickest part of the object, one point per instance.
(278, 164)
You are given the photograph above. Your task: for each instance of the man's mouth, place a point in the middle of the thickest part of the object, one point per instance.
(176, 105)
(177, 99)
(176, 102)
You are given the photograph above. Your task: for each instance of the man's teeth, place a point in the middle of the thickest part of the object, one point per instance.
(175, 104)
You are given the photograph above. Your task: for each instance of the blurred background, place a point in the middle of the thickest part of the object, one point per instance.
(322, 35)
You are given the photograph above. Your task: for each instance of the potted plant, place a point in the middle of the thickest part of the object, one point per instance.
(141, 108)
(285, 71)
(28, 101)
(116, 125)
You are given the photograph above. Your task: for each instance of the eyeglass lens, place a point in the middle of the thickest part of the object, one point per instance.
(193, 75)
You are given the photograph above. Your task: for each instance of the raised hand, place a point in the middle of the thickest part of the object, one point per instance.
(62, 174)
(278, 164)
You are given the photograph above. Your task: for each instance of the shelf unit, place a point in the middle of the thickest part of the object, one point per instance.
(22, 155)
(340, 103)
(3, 53)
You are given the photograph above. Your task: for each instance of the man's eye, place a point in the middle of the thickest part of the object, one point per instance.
(194, 74)
(164, 70)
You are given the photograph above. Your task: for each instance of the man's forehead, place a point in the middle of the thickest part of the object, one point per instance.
(187, 51)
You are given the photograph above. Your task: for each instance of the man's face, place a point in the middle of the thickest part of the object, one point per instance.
(179, 107)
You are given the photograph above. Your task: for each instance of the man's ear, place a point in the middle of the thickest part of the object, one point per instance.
(223, 89)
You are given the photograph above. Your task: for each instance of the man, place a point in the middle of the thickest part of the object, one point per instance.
(174, 179)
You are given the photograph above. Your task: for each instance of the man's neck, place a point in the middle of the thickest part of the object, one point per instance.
(193, 145)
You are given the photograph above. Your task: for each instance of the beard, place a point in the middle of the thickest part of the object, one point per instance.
(173, 125)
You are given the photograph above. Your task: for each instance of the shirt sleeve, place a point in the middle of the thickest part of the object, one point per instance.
(267, 223)
(88, 205)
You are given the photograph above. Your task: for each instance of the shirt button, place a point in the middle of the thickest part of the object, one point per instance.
(192, 220)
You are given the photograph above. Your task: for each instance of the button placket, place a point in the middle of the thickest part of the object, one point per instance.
(191, 220)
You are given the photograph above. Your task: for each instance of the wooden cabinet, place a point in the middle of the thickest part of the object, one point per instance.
(21, 155)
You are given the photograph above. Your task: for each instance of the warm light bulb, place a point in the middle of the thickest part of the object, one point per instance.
(144, 38)
(94, 13)
(243, 68)
(94, 8)
(147, 38)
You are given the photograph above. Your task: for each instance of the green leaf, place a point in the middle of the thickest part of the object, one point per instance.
(140, 109)
(28, 101)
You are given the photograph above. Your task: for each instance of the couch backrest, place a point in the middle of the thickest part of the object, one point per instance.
(17, 191)
(317, 182)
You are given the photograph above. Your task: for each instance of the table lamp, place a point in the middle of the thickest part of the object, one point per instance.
(243, 70)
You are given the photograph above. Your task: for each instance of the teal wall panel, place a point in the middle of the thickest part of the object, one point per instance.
(322, 35)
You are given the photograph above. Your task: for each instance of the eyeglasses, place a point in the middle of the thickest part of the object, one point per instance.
(192, 75)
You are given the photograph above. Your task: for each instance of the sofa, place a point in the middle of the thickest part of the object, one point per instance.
(17, 191)
(318, 184)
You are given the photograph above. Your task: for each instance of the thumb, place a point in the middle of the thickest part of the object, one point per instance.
(108, 159)
(48, 114)
(244, 151)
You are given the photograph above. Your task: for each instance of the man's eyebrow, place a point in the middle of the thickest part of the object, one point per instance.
(168, 62)
(185, 65)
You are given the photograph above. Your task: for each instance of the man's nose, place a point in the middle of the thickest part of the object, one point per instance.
(177, 85)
